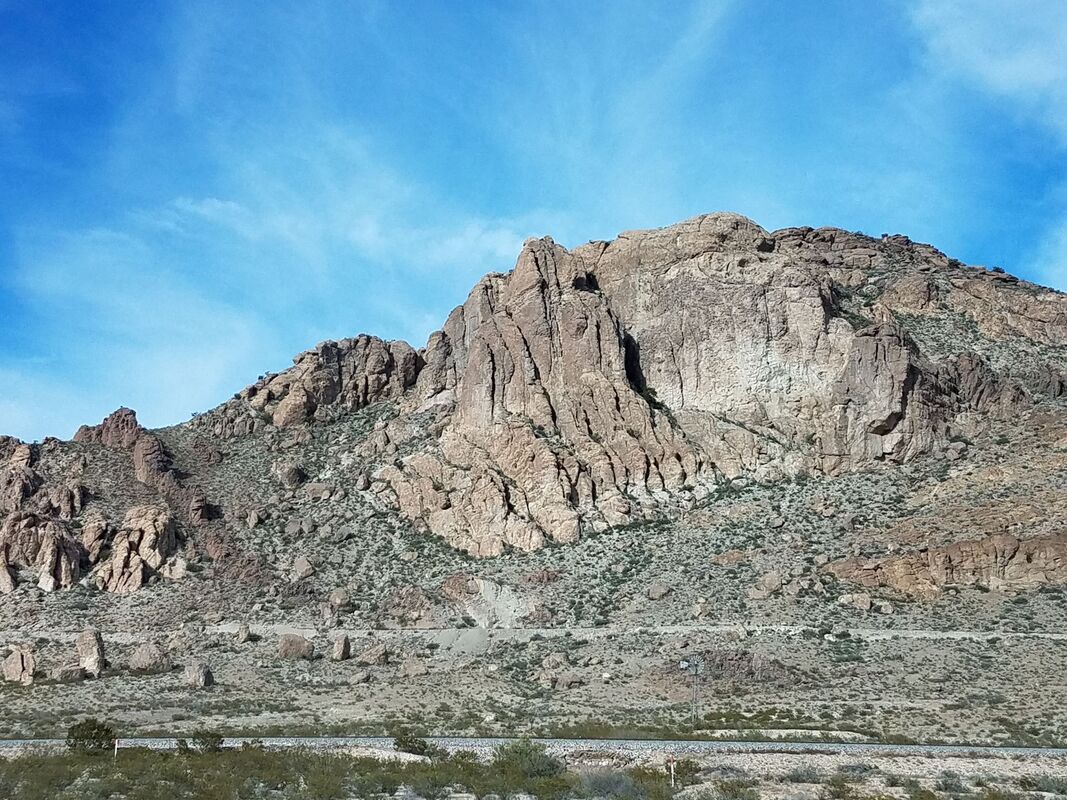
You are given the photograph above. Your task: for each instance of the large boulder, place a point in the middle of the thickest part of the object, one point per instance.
(149, 659)
(341, 649)
(197, 675)
(90, 647)
(67, 673)
(376, 655)
(292, 645)
(20, 666)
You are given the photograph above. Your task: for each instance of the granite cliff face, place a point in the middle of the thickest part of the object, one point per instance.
(584, 390)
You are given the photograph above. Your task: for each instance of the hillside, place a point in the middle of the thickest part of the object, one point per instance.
(833, 465)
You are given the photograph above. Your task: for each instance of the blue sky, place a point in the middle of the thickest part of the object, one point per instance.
(192, 193)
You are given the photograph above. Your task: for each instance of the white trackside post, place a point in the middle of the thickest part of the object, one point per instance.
(117, 752)
(670, 764)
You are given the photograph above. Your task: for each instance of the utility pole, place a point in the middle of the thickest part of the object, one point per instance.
(694, 665)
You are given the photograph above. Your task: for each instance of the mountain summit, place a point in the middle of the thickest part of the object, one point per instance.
(587, 389)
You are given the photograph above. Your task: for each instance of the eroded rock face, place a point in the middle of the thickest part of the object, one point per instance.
(995, 562)
(593, 387)
(351, 373)
(140, 547)
(151, 462)
(615, 382)
(550, 430)
(30, 541)
(489, 604)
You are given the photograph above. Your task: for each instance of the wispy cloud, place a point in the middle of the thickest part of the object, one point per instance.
(1010, 48)
(1014, 51)
(226, 184)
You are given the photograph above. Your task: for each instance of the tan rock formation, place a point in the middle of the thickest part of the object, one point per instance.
(90, 647)
(140, 547)
(30, 541)
(150, 659)
(292, 645)
(151, 462)
(20, 666)
(589, 388)
(341, 649)
(198, 675)
(375, 655)
(995, 562)
(350, 374)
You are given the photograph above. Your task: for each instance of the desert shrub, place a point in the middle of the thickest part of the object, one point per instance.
(686, 771)
(917, 792)
(839, 787)
(526, 759)
(1044, 783)
(949, 781)
(735, 789)
(207, 741)
(407, 742)
(609, 783)
(805, 774)
(90, 735)
(855, 773)
(990, 793)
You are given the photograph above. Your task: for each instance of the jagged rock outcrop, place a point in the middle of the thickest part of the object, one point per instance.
(18, 480)
(46, 545)
(350, 374)
(145, 540)
(151, 462)
(995, 562)
(550, 430)
(613, 383)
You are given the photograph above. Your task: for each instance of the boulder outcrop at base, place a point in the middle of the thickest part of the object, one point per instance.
(996, 562)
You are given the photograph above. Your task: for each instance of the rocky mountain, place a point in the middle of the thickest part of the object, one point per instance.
(796, 408)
